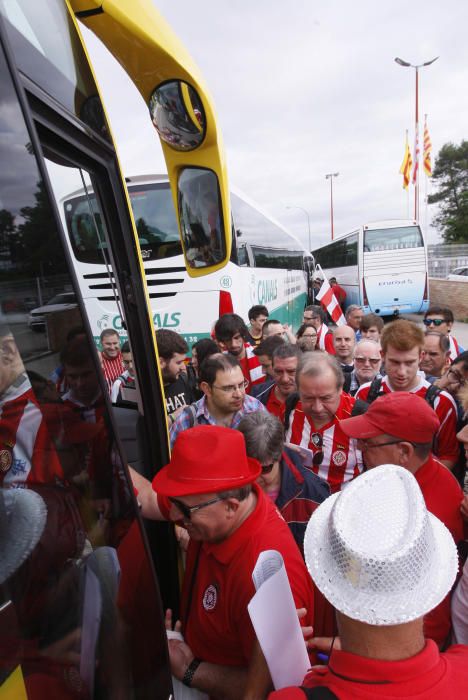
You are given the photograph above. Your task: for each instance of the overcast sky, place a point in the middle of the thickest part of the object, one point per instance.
(302, 89)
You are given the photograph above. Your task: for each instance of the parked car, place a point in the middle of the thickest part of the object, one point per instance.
(60, 302)
(459, 274)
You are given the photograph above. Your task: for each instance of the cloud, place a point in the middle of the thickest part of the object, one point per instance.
(302, 89)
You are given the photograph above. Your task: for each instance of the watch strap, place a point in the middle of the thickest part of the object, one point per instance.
(190, 672)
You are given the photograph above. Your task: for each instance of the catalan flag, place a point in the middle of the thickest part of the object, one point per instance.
(405, 168)
(427, 150)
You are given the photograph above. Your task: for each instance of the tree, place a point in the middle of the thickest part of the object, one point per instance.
(451, 177)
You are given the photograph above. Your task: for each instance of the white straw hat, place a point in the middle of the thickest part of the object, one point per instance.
(376, 553)
(23, 516)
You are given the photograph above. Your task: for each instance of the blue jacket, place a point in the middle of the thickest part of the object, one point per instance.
(301, 491)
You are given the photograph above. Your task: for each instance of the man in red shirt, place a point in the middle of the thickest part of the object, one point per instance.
(111, 357)
(230, 522)
(338, 291)
(384, 562)
(284, 360)
(402, 350)
(399, 428)
(231, 333)
(314, 421)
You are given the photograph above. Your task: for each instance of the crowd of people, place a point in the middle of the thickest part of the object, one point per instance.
(356, 436)
(344, 448)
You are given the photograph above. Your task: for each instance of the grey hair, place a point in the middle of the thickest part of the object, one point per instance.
(351, 308)
(366, 340)
(313, 363)
(263, 434)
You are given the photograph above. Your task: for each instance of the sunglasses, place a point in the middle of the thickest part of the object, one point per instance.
(374, 361)
(434, 322)
(317, 441)
(188, 510)
(266, 468)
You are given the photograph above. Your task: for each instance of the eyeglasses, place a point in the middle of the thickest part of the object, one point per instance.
(434, 322)
(461, 380)
(367, 445)
(374, 361)
(231, 388)
(267, 468)
(188, 510)
(317, 441)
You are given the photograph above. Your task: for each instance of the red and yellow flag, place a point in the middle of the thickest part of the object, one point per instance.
(427, 150)
(407, 164)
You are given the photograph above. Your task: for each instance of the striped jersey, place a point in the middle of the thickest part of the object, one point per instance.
(27, 452)
(455, 349)
(251, 368)
(112, 368)
(446, 446)
(325, 339)
(342, 461)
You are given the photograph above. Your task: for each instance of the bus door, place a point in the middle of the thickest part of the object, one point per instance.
(84, 612)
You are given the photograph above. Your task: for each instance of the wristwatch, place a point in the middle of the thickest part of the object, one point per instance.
(190, 672)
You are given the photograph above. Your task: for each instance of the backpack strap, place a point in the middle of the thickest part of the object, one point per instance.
(347, 382)
(319, 693)
(290, 405)
(431, 394)
(374, 389)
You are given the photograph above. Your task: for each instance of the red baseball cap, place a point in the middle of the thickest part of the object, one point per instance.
(207, 459)
(400, 413)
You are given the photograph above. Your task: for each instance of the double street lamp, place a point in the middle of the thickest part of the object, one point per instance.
(330, 177)
(406, 64)
(294, 206)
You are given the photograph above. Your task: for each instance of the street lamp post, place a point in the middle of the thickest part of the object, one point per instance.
(406, 64)
(294, 206)
(330, 177)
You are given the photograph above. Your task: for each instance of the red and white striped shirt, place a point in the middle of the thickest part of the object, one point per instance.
(446, 447)
(325, 339)
(112, 368)
(251, 368)
(454, 348)
(27, 452)
(342, 461)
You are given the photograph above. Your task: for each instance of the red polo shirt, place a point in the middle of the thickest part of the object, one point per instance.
(217, 627)
(275, 406)
(429, 675)
(442, 495)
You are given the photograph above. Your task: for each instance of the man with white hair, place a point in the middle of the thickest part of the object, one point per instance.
(383, 561)
(367, 362)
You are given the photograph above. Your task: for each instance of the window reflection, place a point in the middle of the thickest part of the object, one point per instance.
(73, 569)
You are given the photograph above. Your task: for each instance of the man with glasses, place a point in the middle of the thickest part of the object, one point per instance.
(209, 487)
(225, 400)
(441, 319)
(313, 418)
(402, 346)
(367, 362)
(456, 377)
(399, 428)
(315, 316)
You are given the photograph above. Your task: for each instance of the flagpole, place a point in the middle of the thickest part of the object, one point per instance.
(425, 175)
(406, 64)
(416, 153)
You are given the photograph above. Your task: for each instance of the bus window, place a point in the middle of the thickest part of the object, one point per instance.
(393, 239)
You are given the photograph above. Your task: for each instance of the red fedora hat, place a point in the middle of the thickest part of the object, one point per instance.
(207, 459)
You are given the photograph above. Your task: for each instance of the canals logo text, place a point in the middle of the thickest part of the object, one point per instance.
(267, 291)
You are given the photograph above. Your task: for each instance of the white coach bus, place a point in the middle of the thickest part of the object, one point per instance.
(268, 265)
(382, 266)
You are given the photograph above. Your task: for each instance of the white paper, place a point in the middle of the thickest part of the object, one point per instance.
(305, 454)
(274, 618)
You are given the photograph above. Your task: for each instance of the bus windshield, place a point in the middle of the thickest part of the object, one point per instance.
(392, 239)
(155, 220)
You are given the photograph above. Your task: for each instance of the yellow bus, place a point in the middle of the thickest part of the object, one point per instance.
(83, 581)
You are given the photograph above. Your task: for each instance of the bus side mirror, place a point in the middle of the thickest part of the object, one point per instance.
(177, 115)
(201, 218)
